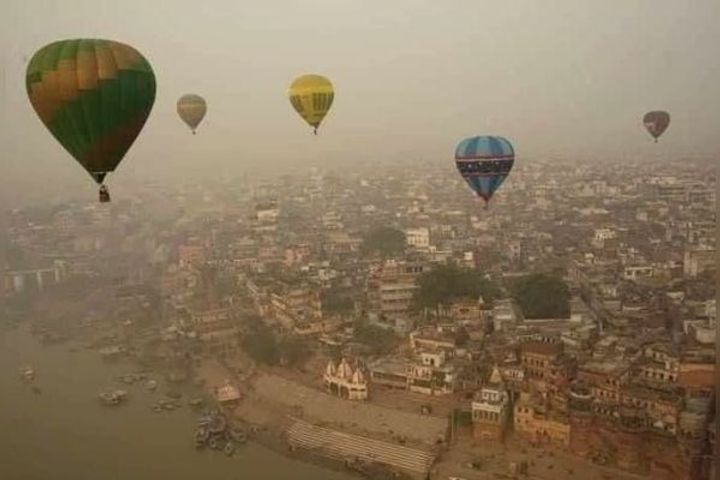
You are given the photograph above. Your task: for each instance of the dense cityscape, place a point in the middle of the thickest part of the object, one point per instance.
(381, 320)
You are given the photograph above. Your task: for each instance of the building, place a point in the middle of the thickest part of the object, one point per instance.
(431, 375)
(267, 212)
(505, 315)
(491, 409)
(294, 305)
(432, 339)
(539, 357)
(228, 393)
(418, 238)
(217, 329)
(344, 381)
(698, 260)
(18, 281)
(428, 373)
(191, 255)
(391, 288)
(539, 425)
(390, 372)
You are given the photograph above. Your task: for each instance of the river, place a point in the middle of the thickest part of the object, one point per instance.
(64, 433)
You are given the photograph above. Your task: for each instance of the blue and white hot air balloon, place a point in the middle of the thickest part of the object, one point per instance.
(484, 162)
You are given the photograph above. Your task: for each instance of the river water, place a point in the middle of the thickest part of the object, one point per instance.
(64, 433)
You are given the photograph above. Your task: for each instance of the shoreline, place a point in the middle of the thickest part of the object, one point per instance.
(271, 420)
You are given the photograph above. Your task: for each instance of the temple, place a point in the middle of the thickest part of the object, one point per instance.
(344, 381)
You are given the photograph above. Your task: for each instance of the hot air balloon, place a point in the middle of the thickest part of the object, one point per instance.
(94, 96)
(484, 163)
(192, 109)
(311, 97)
(656, 123)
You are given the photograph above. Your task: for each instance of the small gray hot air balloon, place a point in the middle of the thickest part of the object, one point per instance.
(192, 109)
(656, 122)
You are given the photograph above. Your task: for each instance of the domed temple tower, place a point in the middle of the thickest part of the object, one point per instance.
(345, 381)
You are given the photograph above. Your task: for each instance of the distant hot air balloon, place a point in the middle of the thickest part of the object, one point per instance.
(656, 122)
(192, 109)
(484, 163)
(94, 96)
(311, 97)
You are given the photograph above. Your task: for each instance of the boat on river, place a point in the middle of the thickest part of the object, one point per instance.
(229, 449)
(27, 373)
(112, 398)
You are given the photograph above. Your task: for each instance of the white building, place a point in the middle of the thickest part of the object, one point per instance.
(227, 393)
(344, 381)
(418, 238)
(491, 409)
(431, 375)
(505, 315)
(636, 272)
(267, 212)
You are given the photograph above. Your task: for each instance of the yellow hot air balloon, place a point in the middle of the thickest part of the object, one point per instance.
(191, 109)
(311, 97)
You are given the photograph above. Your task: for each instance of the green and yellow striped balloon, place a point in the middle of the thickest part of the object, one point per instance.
(94, 96)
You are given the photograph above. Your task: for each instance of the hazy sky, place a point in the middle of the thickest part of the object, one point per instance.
(412, 77)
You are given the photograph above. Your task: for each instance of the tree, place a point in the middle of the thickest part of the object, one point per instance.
(377, 338)
(261, 345)
(449, 283)
(338, 300)
(461, 337)
(542, 296)
(385, 241)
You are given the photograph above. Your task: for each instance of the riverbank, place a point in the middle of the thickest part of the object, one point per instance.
(65, 433)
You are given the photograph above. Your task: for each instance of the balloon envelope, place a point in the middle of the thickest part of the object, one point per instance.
(311, 96)
(656, 122)
(484, 162)
(192, 109)
(94, 96)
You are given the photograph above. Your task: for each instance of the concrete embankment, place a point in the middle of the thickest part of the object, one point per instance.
(347, 447)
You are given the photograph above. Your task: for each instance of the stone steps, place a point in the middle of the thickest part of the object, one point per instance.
(341, 446)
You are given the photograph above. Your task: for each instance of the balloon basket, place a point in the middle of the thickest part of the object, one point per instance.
(104, 195)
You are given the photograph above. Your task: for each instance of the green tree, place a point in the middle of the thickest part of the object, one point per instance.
(377, 338)
(261, 345)
(385, 241)
(448, 283)
(293, 351)
(338, 300)
(542, 296)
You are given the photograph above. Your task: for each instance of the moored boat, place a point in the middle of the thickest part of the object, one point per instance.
(112, 398)
(229, 449)
(27, 373)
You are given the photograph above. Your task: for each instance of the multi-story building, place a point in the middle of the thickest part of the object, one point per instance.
(537, 424)
(418, 238)
(392, 287)
(539, 357)
(292, 305)
(216, 328)
(432, 375)
(491, 409)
